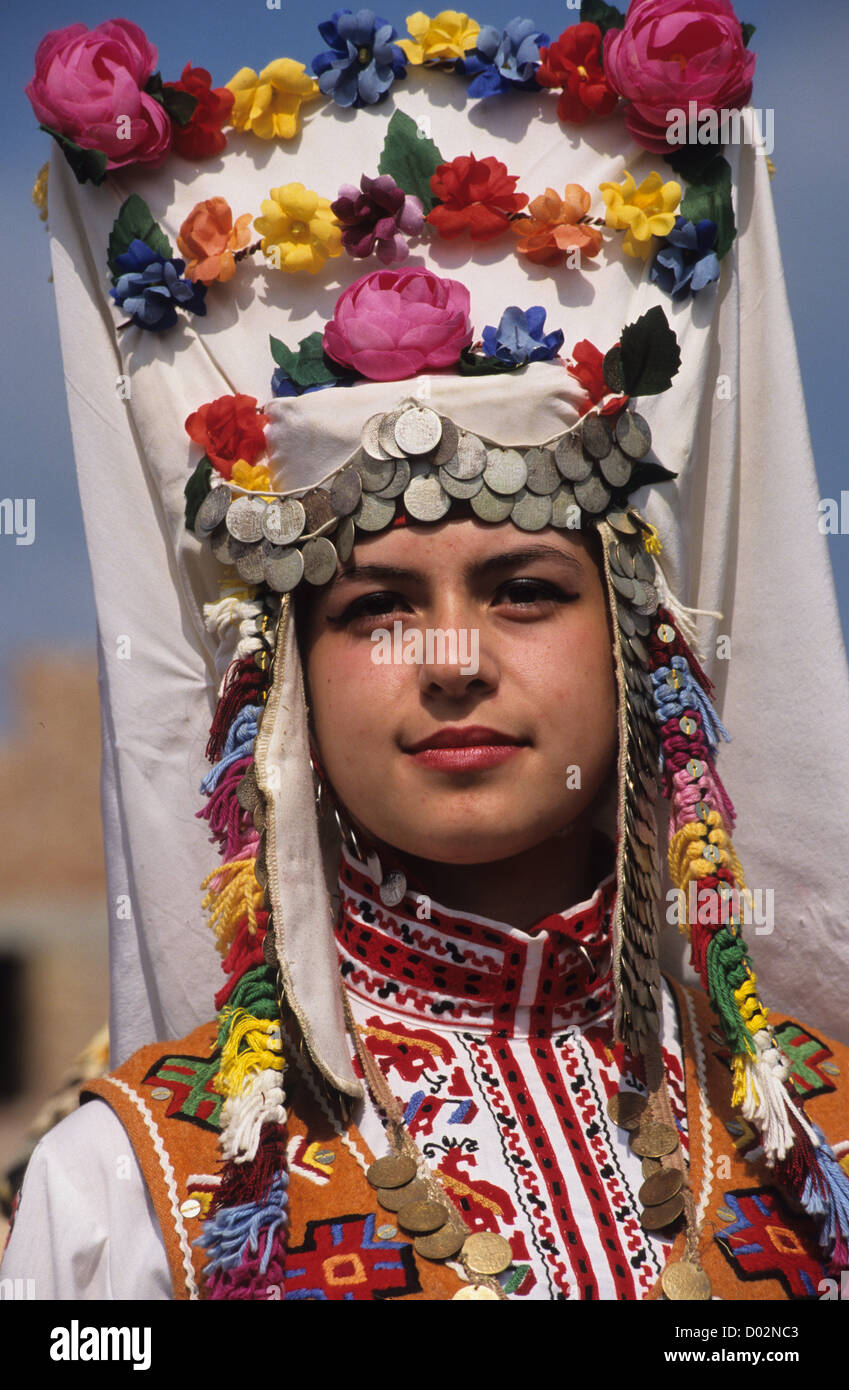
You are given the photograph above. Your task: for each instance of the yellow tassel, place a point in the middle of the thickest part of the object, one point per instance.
(651, 542)
(39, 191)
(253, 1045)
(237, 895)
(743, 1080)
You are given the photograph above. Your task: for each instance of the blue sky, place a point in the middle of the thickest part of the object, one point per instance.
(47, 597)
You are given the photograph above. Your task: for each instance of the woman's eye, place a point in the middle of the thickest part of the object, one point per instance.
(526, 592)
(376, 605)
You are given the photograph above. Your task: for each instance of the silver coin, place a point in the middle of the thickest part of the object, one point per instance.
(626, 561)
(506, 471)
(345, 491)
(624, 619)
(543, 477)
(369, 438)
(425, 498)
(592, 496)
(418, 430)
(596, 436)
(212, 510)
(616, 468)
(244, 519)
(375, 475)
(470, 458)
(623, 586)
(399, 480)
(650, 601)
(318, 509)
(620, 521)
(319, 557)
(530, 511)
(571, 459)
(639, 650)
(344, 539)
(633, 435)
(641, 622)
(247, 557)
(565, 511)
(283, 567)
(220, 541)
(458, 487)
(386, 434)
(447, 446)
(490, 507)
(283, 520)
(373, 513)
(644, 566)
(638, 592)
(393, 889)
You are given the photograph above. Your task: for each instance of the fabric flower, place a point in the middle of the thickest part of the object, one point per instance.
(229, 430)
(299, 226)
(443, 39)
(476, 195)
(394, 323)
(586, 367)
(202, 136)
(672, 52)
(686, 262)
(253, 477)
(362, 62)
(151, 289)
(519, 337)
(269, 105)
(504, 60)
(375, 216)
(554, 227)
(645, 212)
(208, 239)
(88, 85)
(573, 62)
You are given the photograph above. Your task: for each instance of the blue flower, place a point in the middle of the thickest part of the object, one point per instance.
(283, 385)
(686, 261)
(362, 62)
(519, 337)
(151, 289)
(504, 61)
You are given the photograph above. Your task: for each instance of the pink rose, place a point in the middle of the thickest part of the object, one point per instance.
(394, 323)
(672, 52)
(86, 81)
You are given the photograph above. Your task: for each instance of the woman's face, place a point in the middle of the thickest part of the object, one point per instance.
(539, 710)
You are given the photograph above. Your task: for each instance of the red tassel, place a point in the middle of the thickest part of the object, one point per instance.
(244, 684)
(247, 1182)
(660, 652)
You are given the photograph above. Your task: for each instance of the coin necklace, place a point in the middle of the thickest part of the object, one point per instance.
(665, 1193)
(406, 1186)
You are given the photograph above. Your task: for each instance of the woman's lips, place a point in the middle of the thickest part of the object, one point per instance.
(463, 749)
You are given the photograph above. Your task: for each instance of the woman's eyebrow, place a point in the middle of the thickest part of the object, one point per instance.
(506, 559)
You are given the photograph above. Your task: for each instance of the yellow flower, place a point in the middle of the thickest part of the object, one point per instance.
(443, 39)
(642, 212)
(298, 229)
(269, 104)
(252, 476)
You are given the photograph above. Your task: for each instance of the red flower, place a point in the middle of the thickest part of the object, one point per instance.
(229, 429)
(203, 135)
(476, 195)
(573, 62)
(586, 367)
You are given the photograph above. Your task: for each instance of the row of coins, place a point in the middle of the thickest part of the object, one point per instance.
(435, 1226)
(417, 456)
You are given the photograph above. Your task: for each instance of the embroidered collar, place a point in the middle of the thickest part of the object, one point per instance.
(469, 972)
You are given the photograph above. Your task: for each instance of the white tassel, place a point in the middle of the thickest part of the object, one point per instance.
(232, 620)
(766, 1102)
(685, 618)
(243, 1116)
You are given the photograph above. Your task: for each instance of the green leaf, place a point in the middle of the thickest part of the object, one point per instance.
(646, 473)
(605, 16)
(410, 158)
(180, 106)
(650, 354)
(135, 220)
(711, 197)
(310, 365)
(611, 370)
(748, 31)
(89, 166)
(474, 364)
(196, 489)
(691, 161)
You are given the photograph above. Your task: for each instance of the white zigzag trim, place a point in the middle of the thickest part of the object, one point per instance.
(170, 1182)
(704, 1113)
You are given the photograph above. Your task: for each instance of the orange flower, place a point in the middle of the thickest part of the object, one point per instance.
(208, 239)
(553, 228)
